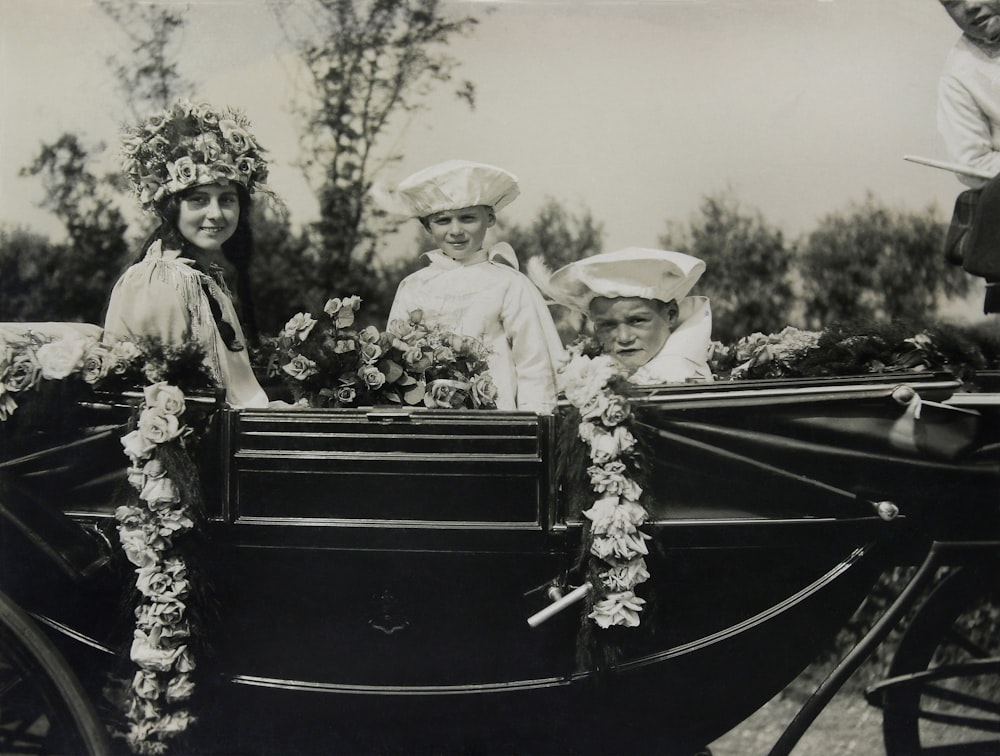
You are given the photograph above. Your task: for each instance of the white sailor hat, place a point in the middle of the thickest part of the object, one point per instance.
(631, 272)
(451, 185)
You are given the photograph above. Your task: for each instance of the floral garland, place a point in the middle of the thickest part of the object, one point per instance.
(30, 359)
(857, 349)
(147, 530)
(612, 534)
(327, 363)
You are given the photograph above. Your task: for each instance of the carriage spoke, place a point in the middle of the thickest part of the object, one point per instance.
(978, 748)
(962, 640)
(967, 700)
(966, 722)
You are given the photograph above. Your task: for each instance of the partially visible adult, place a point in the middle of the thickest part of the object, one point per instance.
(196, 168)
(968, 118)
(636, 300)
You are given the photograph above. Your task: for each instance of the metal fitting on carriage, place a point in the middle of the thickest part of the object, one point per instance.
(886, 510)
(903, 394)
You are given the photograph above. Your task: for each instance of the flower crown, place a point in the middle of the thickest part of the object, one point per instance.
(191, 145)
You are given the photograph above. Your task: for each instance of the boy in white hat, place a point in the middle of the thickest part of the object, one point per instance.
(475, 291)
(637, 301)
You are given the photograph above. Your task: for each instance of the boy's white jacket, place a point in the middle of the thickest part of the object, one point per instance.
(492, 301)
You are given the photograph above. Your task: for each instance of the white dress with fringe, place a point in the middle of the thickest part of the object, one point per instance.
(162, 297)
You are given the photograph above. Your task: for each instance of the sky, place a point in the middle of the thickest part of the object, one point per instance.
(634, 110)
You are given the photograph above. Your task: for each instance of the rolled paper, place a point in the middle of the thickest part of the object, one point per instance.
(963, 170)
(557, 606)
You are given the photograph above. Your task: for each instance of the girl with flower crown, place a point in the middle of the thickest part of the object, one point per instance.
(196, 168)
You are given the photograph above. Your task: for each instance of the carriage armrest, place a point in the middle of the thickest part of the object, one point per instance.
(78, 552)
(51, 329)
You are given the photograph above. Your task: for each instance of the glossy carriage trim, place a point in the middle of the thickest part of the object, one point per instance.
(768, 614)
(790, 390)
(74, 634)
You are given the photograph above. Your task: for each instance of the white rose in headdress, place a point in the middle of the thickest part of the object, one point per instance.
(245, 166)
(156, 122)
(149, 188)
(207, 116)
(225, 169)
(158, 144)
(183, 171)
(238, 137)
(208, 145)
(131, 145)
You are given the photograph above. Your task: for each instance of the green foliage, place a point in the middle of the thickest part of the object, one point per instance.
(556, 235)
(748, 266)
(282, 275)
(79, 274)
(26, 262)
(148, 77)
(875, 263)
(369, 60)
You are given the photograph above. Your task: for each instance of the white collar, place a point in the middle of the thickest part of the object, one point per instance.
(502, 250)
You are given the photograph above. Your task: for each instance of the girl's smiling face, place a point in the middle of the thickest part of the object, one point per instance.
(460, 233)
(208, 215)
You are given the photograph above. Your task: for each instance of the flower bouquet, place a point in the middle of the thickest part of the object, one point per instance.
(326, 362)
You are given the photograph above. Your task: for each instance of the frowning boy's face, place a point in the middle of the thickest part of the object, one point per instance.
(460, 233)
(979, 19)
(632, 329)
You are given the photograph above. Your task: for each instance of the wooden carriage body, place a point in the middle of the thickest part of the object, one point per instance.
(378, 566)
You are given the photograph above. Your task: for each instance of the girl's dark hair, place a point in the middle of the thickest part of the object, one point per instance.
(238, 250)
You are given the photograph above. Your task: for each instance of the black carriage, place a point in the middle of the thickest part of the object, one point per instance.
(374, 571)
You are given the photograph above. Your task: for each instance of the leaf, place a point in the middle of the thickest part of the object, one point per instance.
(393, 370)
(415, 395)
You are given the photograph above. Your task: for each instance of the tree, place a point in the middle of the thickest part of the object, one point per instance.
(556, 236)
(26, 262)
(87, 206)
(870, 262)
(79, 274)
(368, 60)
(748, 267)
(148, 78)
(282, 273)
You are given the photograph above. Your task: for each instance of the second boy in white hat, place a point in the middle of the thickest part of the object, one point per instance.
(475, 291)
(637, 301)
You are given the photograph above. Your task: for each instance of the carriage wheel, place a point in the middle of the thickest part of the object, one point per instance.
(948, 699)
(43, 707)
